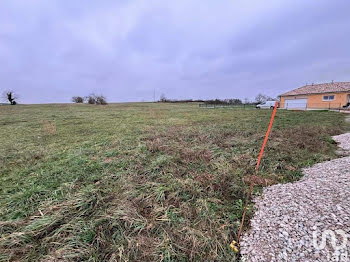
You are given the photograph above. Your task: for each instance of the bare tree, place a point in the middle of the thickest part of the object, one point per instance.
(261, 98)
(11, 97)
(90, 99)
(96, 99)
(163, 98)
(101, 100)
(77, 99)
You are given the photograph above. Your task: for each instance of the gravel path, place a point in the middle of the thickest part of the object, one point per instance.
(291, 218)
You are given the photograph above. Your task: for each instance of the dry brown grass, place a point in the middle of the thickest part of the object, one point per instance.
(49, 127)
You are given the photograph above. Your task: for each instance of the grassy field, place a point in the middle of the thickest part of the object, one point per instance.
(141, 182)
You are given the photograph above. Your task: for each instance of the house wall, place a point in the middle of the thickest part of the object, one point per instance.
(316, 100)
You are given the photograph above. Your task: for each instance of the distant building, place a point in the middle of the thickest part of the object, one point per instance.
(317, 96)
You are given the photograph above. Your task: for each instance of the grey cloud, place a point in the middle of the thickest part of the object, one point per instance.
(52, 50)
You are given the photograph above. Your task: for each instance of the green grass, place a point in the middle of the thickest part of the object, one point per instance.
(141, 182)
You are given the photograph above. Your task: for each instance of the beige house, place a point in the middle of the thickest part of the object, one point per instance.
(320, 96)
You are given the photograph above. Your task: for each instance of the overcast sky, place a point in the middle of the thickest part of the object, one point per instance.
(51, 50)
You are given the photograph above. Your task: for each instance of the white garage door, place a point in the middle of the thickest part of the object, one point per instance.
(295, 103)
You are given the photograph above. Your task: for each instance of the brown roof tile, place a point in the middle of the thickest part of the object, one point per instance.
(320, 88)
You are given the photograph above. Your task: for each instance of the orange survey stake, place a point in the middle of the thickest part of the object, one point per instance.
(266, 136)
(251, 181)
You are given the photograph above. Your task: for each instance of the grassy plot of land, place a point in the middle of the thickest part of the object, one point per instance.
(141, 182)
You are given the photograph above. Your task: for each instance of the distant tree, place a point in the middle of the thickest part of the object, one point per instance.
(96, 99)
(100, 100)
(77, 99)
(261, 98)
(11, 97)
(163, 98)
(91, 99)
(234, 101)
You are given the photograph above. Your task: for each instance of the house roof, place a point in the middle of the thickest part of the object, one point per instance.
(320, 88)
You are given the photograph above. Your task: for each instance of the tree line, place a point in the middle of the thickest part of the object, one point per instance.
(260, 98)
(92, 99)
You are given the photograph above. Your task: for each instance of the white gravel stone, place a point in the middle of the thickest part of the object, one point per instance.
(287, 215)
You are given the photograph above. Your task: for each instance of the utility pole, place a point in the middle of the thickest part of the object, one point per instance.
(154, 95)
